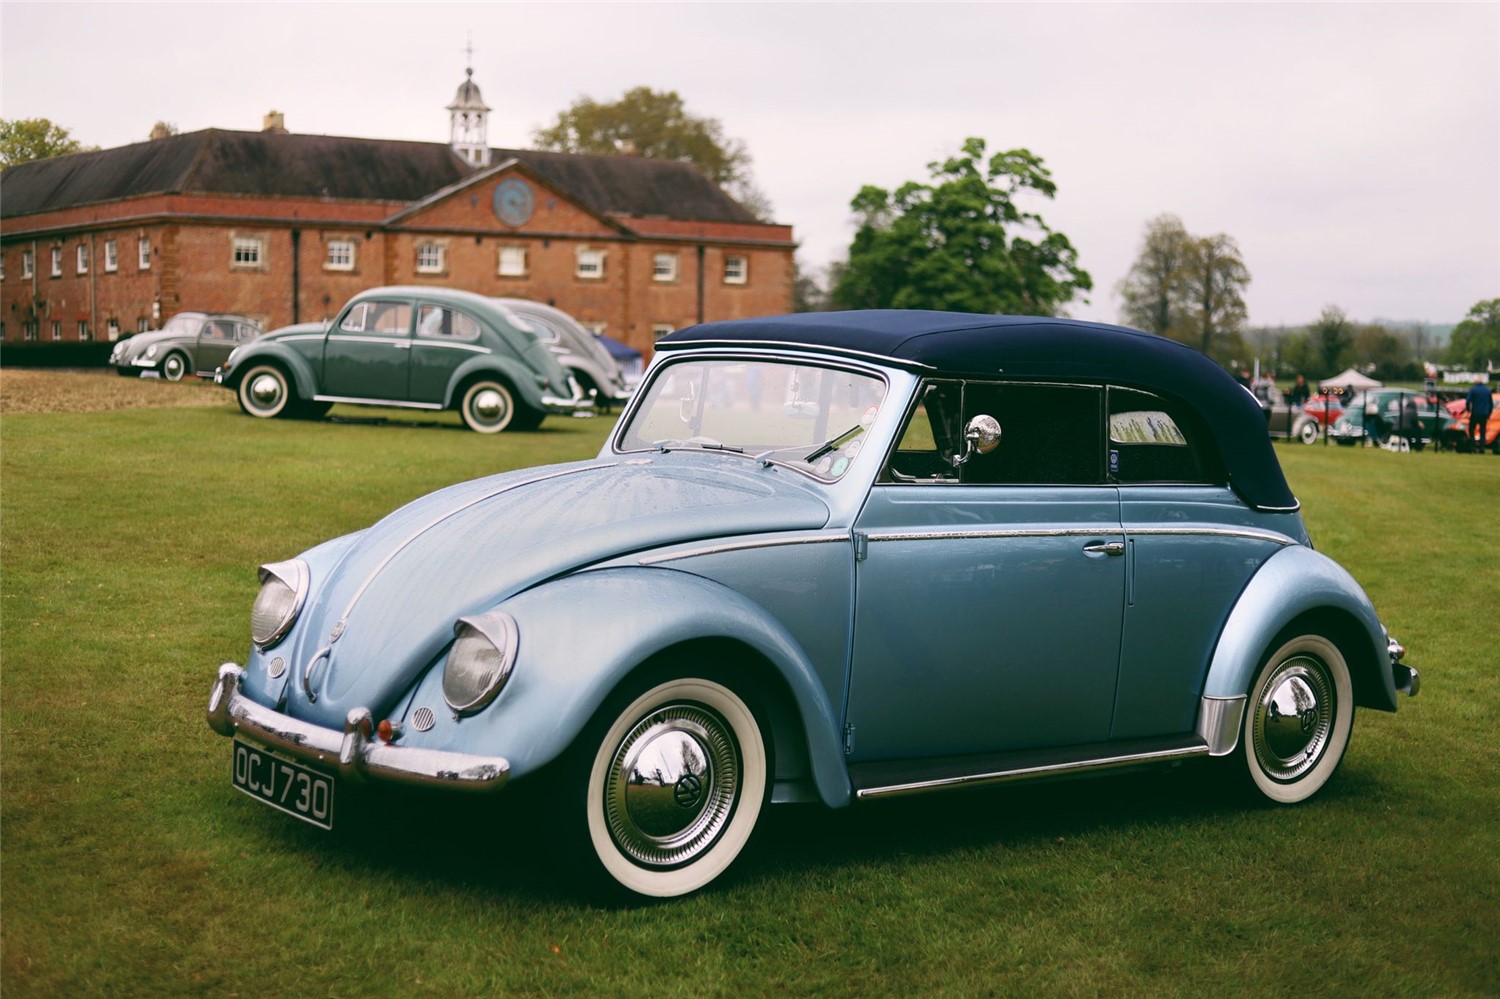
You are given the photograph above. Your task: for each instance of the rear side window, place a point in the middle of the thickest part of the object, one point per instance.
(1154, 439)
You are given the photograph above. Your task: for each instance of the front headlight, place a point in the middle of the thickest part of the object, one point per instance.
(283, 588)
(151, 351)
(483, 654)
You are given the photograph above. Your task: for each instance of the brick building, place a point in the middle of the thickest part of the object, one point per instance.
(285, 228)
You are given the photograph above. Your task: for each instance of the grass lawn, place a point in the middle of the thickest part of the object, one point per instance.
(128, 543)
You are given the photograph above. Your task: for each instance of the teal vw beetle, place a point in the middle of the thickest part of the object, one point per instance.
(416, 348)
(832, 558)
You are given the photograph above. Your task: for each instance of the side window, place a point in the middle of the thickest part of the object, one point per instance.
(1049, 435)
(437, 323)
(388, 318)
(1153, 439)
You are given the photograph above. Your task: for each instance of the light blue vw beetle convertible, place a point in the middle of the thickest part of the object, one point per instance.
(827, 557)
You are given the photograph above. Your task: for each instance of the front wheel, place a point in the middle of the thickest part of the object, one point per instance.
(264, 391)
(1298, 719)
(1308, 432)
(675, 787)
(174, 366)
(487, 406)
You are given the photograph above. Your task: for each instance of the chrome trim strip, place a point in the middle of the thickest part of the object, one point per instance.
(1251, 533)
(1023, 773)
(398, 549)
(351, 753)
(471, 348)
(734, 546)
(1219, 723)
(356, 338)
(379, 402)
(802, 349)
(295, 337)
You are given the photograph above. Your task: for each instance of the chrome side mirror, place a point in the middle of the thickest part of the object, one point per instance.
(981, 436)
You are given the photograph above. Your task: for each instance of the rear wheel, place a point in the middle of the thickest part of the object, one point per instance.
(1308, 433)
(676, 781)
(487, 406)
(1298, 719)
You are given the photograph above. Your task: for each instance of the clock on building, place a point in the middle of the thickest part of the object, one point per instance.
(514, 202)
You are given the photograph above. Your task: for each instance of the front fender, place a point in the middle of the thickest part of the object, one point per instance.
(582, 635)
(519, 376)
(1293, 583)
(304, 381)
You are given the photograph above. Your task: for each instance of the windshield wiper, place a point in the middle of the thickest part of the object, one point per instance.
(702, 443)
(820, 450)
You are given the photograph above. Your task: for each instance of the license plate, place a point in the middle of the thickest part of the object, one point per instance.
(284, 784)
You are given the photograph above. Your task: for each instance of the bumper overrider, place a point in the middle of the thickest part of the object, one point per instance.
(1405, 677)
(352, 754)
(560, 405)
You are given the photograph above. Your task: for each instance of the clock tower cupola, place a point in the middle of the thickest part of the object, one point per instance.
(468, 117)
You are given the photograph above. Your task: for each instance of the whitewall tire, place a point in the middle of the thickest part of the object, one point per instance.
(675, 788)
(1298, 718)
(487, 406)
(264, 391)
(174, 366)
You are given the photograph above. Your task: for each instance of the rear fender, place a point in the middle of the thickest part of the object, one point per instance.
(581, 636)
(517, 375)
(1300, 586)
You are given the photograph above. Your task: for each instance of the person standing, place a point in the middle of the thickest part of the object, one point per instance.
(1479, 404)
(1300, 392)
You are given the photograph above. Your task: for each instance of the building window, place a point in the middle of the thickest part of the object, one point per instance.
(29, 330)
(142, 325)
(28, 263)
(590, 264)
(143, 253)
(83, 331)
(431, 258)
(664, 267)
(83, 258)
(659, 330)
(112, 329)
(340, 255)
(736, 269)
(57, 261)
(111, 256)
(512, 261)
(56, 330)
(248, 253)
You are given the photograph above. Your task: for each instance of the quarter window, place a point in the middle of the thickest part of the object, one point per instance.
(664, 267)
(590, 264)
(340, 255)
(1152, 439)
(736, 270)
(437, 323)
(431, 258)
(512, 261)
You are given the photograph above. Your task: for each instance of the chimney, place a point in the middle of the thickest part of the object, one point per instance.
(275, 123)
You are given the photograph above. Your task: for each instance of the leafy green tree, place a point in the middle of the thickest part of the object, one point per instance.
(1332, 338)
(1476, 340)
(961, 242)
(657, 125)
(1154, 289)
(25, 139)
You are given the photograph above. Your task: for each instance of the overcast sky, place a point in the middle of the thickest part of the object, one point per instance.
(1352, 150)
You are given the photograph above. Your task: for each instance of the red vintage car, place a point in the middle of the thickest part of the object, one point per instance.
(1456, 431)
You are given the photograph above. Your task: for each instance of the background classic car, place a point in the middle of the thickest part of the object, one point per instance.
(592, 366)
(189, 343)
(828, 557)
(418, 348)
(1389, 414)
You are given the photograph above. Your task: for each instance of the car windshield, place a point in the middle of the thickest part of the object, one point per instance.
(183, 325)
(804, 416)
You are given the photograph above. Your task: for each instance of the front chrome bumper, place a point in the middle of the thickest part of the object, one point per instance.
(352, 753)
(1406, 678)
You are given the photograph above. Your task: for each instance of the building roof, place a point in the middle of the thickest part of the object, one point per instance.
(1035, 348)
(218, 161)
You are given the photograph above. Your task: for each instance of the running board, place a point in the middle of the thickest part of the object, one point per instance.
(888, 778)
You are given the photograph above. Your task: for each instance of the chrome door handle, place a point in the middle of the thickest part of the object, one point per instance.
(1105, 548)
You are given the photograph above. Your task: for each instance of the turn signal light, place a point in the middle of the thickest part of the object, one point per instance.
(388, 730)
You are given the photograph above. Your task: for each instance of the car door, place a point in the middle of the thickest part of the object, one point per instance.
(445, 339)
(367, 353)
(989, 594)
(215, 341)
(1192, 546)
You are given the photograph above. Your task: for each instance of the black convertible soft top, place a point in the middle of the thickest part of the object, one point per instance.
(1033, 348)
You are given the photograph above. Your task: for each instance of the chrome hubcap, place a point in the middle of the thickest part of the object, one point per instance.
(672, 785)
(265, 390)
(489, 405)
(174, 367)
(1293, 718)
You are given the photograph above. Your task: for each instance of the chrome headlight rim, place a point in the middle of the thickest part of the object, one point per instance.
(499, 630)
(294, 575)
